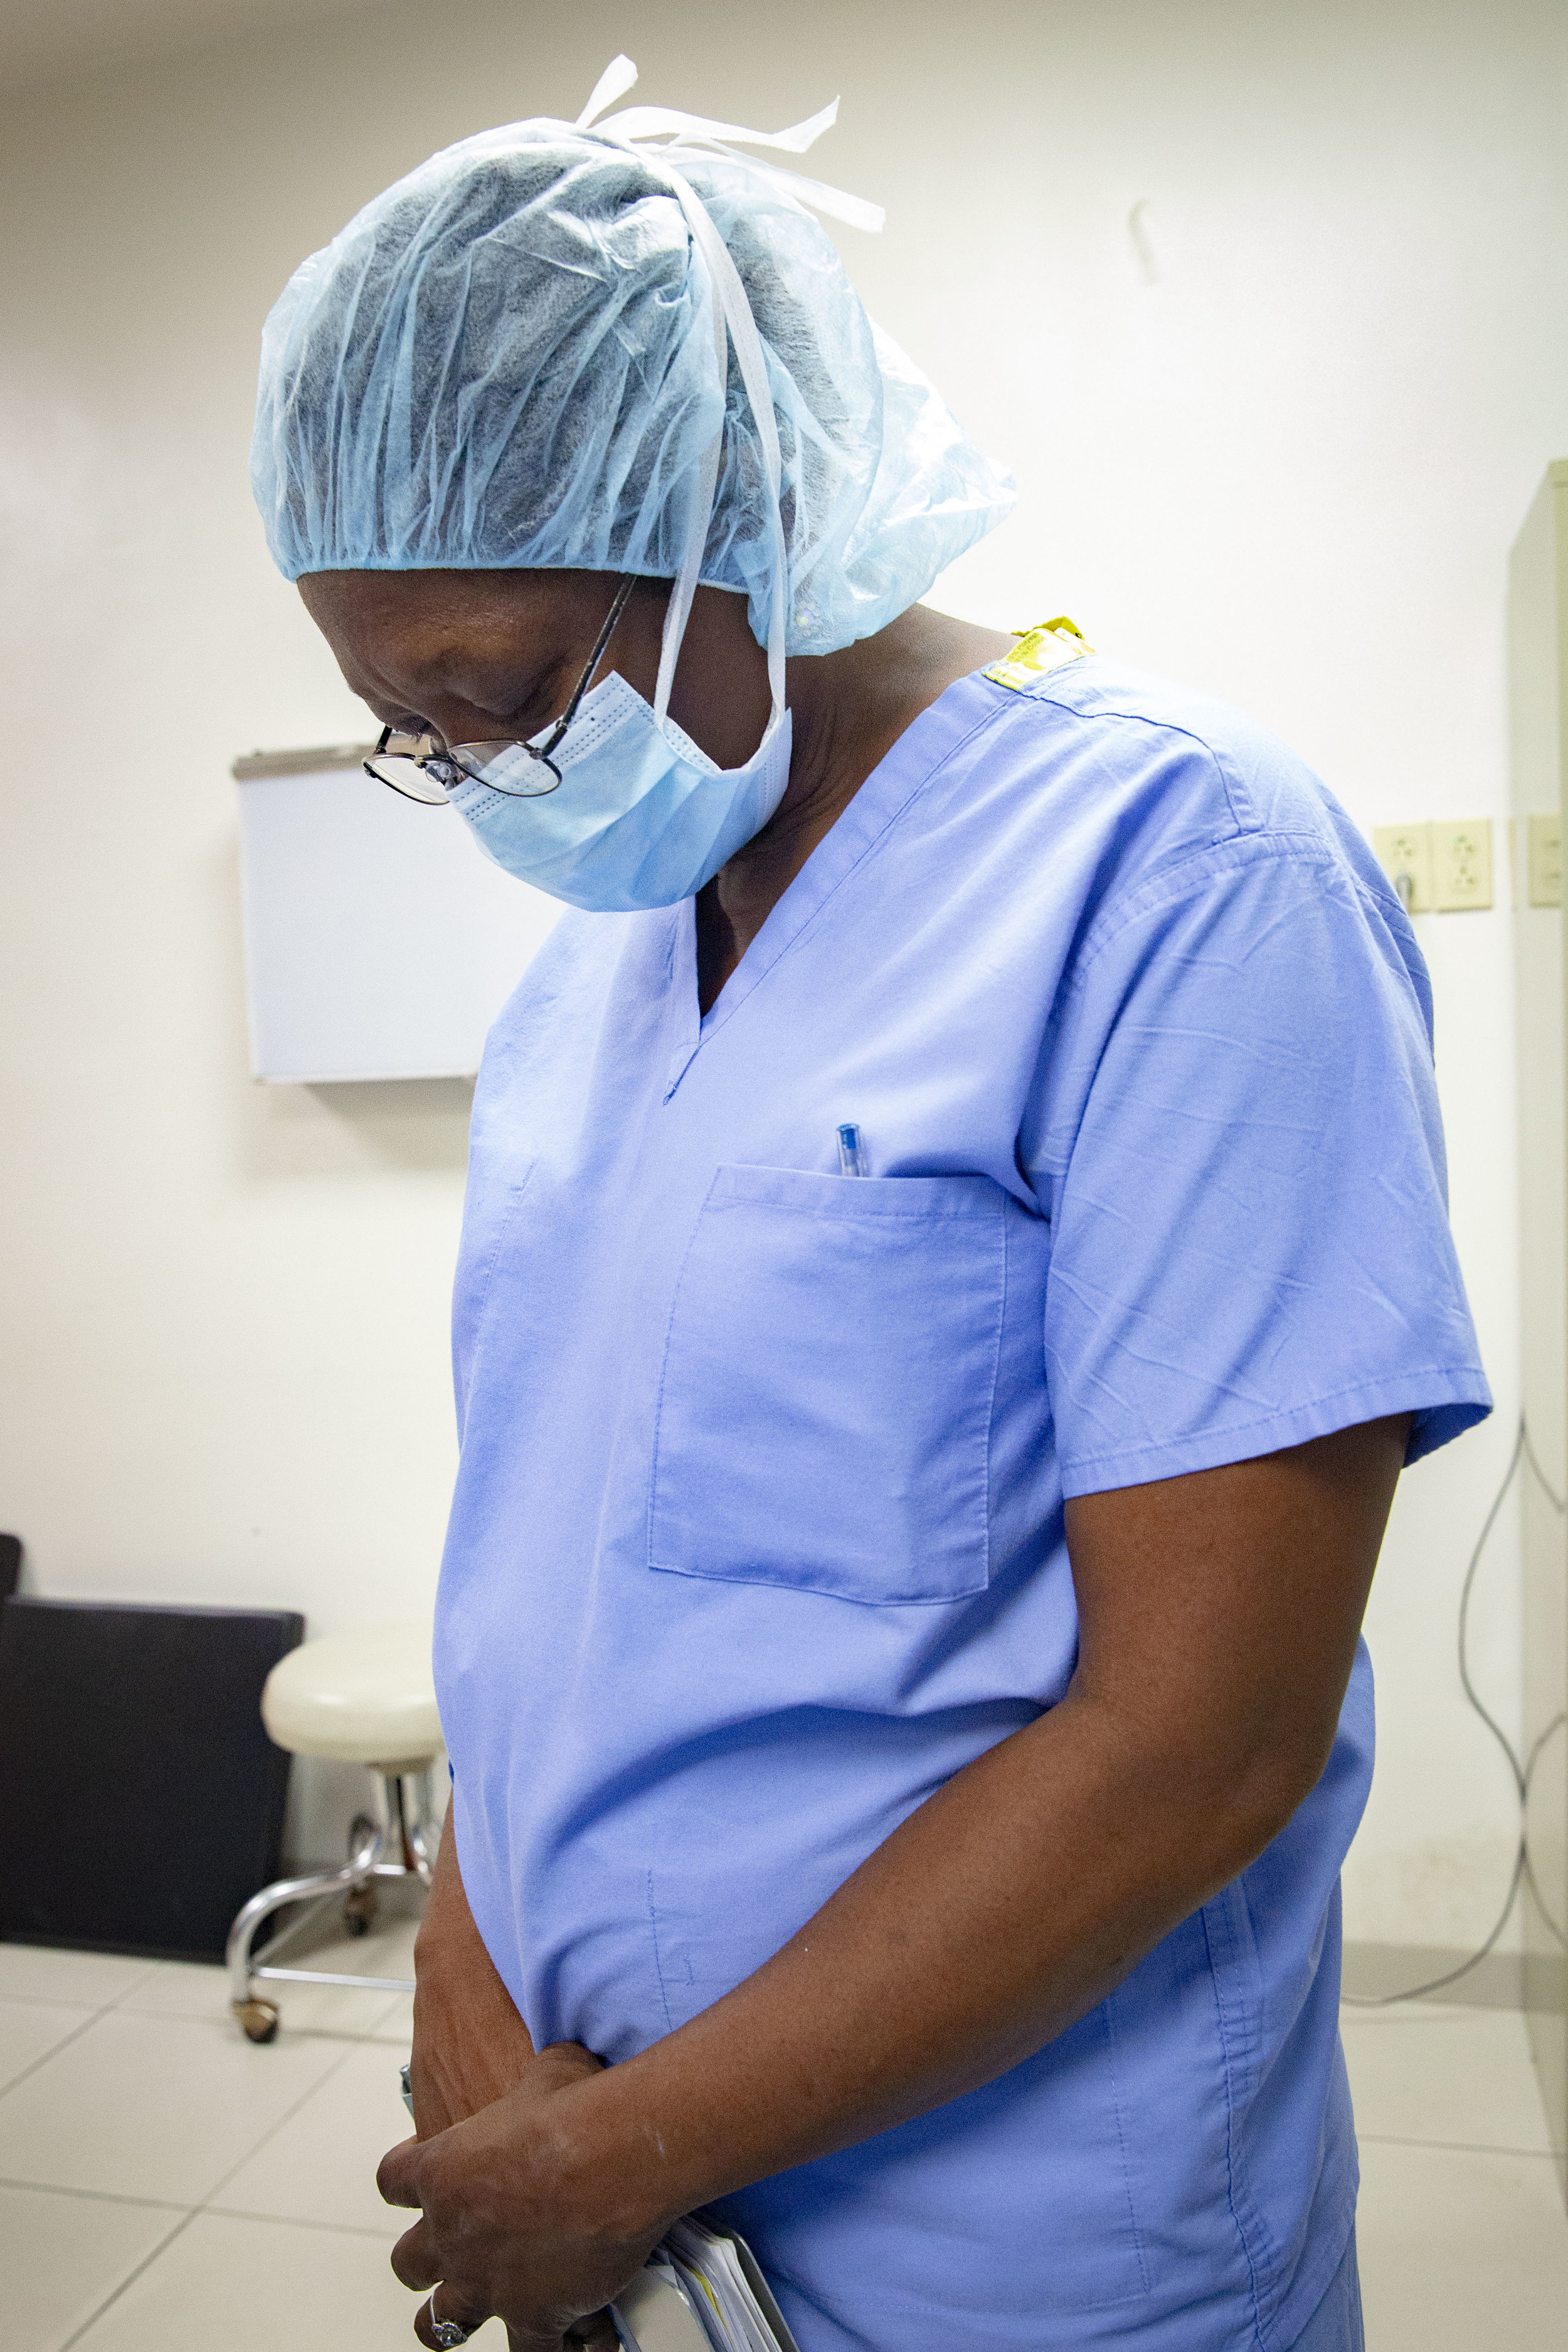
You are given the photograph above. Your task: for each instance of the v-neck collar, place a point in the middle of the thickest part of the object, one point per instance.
(961, 711)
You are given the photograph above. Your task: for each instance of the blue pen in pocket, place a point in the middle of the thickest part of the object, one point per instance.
(851, 1152)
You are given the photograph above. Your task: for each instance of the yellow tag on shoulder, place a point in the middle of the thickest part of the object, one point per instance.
(1037, 650)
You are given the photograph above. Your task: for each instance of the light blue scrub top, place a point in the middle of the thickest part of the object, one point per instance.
(758, 1530)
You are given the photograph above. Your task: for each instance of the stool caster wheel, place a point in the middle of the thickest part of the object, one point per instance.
(258, 2020)
(359, 1911)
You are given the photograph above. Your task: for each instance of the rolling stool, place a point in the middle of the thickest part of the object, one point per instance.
(365, 1697)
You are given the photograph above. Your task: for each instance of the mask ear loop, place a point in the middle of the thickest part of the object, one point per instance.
(748, 345)
(699, 514)
(731, 322)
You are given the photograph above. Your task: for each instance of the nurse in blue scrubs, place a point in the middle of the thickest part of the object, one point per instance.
(955, 1260)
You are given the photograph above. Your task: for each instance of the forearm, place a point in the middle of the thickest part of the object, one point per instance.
(469, 2043)
(1202, 1711)
(1002, 1911)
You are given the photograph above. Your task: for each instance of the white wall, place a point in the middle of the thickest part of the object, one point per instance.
(1277, 444)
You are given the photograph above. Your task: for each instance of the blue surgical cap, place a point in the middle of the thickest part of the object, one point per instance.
(509, 359)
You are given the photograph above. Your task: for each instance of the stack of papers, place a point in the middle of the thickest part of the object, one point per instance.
(700, 2291)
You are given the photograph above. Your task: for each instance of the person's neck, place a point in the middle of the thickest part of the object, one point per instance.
(848, 709)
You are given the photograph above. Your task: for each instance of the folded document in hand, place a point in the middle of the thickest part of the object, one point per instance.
(700, 2291)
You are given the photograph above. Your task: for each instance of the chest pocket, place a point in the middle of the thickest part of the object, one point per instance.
(825, 1400)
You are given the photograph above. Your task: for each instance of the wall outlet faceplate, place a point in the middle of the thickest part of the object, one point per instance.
(1462, 865)
(1445, 867)
(1544, 870)
(1404, 853)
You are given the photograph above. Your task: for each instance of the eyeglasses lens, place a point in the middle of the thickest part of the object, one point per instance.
(408, 777)
(414, 767)
(507, 768)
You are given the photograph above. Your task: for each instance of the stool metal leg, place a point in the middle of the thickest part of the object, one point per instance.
(259, 2017)
(404, 1848)
(411, 1825)
(360, 1904)
(412, 1835)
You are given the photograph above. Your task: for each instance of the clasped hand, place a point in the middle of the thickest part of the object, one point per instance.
(507, 2227)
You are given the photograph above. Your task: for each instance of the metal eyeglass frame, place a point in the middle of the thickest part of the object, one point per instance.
(465, 762)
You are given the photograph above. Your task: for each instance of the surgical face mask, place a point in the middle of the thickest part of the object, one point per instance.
(641, 816)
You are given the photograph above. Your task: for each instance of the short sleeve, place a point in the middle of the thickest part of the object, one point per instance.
(1238, 1144)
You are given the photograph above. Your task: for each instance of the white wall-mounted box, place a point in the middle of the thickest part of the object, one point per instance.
(380, 941)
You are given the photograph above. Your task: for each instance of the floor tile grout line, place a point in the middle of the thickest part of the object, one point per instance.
(95, 2195)
(194, 2212)
(320, 2032)
(272, 2131)
(58, 1952)
(149, 1971)
(53, 2000)
(97, 2017)
(52, 2052)
(262, 2220)
(349, 2044)
(130, 2280)
(299, 2221)
(49, 2001)
(297, 2033)
(1454, 2147)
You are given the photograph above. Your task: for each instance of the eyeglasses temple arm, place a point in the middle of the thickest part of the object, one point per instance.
(581, 688)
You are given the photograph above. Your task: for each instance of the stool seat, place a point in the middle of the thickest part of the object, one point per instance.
(361, 1697)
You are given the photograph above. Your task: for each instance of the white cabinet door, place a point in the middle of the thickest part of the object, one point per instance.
(1538, 644)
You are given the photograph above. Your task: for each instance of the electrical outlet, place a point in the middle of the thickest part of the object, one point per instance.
(1462, 863)
(1545, 854)
(1404, 853)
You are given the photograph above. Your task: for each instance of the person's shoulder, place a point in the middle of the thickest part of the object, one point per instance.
(1154, 734)
(1171, 779)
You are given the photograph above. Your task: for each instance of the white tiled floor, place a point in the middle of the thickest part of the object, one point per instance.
(167, 2187)
(1462, 2232)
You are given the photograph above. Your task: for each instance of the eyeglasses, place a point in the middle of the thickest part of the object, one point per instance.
(423, 768)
